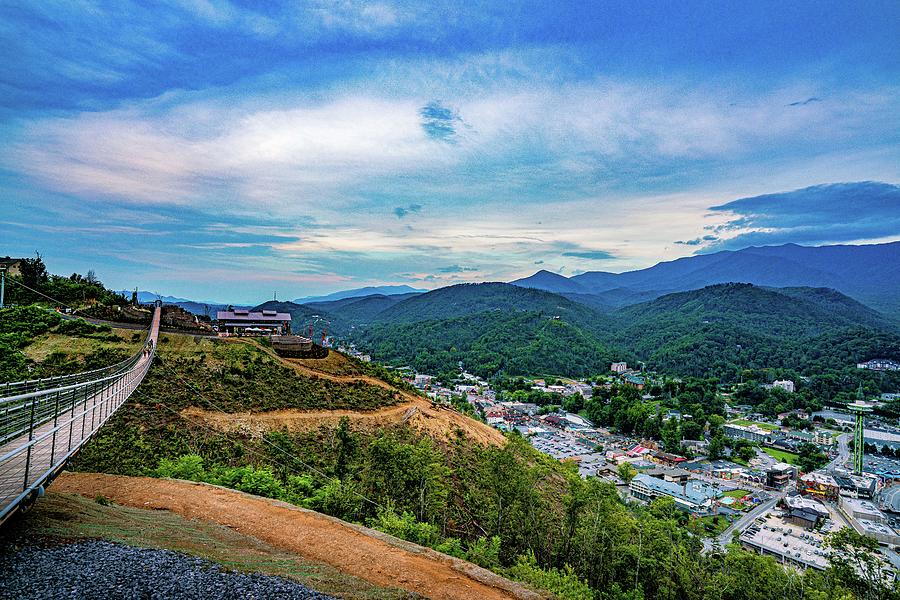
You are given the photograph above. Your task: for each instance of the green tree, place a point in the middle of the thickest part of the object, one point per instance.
(716, 448)
(810, 457)
(627, 472)
(856, 566)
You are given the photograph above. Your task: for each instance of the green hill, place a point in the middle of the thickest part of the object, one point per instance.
(721, 329)
(490, 328)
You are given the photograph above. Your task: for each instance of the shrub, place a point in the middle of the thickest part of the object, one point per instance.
(81, 328)
(187, 466)
(405, 526)
(563, 583)
(485, 552)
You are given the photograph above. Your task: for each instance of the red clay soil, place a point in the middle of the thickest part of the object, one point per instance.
(356, 550)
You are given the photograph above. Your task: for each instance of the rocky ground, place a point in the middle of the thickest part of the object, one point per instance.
(101, 569)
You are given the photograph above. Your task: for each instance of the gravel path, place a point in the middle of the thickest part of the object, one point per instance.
(99, 569)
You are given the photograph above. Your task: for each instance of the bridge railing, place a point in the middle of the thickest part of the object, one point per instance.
(23, 412)
(33, 385)
(40, 430)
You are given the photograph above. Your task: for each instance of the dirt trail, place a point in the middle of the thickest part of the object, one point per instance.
(415, 411)
(352, 549)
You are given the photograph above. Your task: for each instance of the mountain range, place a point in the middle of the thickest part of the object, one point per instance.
(868, 273)
(383, 290)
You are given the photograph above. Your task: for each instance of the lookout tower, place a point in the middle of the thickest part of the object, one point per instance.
(860, 409)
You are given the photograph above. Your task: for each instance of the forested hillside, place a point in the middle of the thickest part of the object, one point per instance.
(717, 331)
(491, 343)
(720, 330)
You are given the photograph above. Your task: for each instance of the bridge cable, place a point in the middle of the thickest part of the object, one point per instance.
(74, 310)
(199, 394)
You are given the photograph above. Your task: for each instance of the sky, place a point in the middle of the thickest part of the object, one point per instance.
(229, 150)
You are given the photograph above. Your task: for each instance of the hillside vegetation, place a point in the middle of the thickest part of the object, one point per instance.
(717, 331)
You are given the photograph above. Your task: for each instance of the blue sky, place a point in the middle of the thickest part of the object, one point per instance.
(227, 150)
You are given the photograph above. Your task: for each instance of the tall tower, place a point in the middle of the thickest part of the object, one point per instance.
(860, 409)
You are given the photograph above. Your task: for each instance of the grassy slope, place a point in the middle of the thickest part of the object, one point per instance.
(231, 376)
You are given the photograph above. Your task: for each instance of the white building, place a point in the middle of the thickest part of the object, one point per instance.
(785, 384)
(618, 367)
(879, 364)
(753, 433)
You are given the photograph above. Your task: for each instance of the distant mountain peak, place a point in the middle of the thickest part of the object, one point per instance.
(384, 290)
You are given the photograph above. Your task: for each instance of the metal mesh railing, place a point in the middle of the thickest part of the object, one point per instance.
(40, 430)
(34, 385)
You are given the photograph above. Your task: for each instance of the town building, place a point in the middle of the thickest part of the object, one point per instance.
(668, 459)
(857, 486)
(885, 534)
(879, 364)
(819, 484)
(679, 476)
(634, 381)
(788, 542)
(754, 433)
(804, 511)
(692, 495)
(246, 322)
(780, 474)
(785, 384)
(856, 508)
(13, 266)
(820, 437)
(618, 367)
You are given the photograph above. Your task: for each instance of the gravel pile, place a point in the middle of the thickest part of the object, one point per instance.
(98, 569)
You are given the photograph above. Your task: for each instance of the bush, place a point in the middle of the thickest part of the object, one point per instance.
(28, 320)
(187, 466)
(81, 328)
(563, 583)
(405, 526)
(485, 552)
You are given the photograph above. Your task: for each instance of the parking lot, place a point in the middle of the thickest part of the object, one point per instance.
(774, 535)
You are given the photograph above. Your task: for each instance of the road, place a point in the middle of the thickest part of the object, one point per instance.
(840, 461)
(741, 524)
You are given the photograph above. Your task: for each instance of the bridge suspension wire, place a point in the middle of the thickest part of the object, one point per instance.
(291, 456)
(57, 302)
(41, 430)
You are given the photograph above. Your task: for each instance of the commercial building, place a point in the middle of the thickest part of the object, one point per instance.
(694, 496)
(787, 542)
(804, 511)
(754, 433)
(819, 484)
(780, 474)
(881, 532)
(246, 322)
(857, 486)
(862, 509)
(879, 364)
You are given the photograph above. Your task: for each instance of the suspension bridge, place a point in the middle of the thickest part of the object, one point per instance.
(45, 422)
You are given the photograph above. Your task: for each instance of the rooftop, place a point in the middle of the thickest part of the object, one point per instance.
(247, 315)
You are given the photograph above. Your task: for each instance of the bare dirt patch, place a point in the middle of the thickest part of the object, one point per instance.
(352, 549)
(437, 423)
